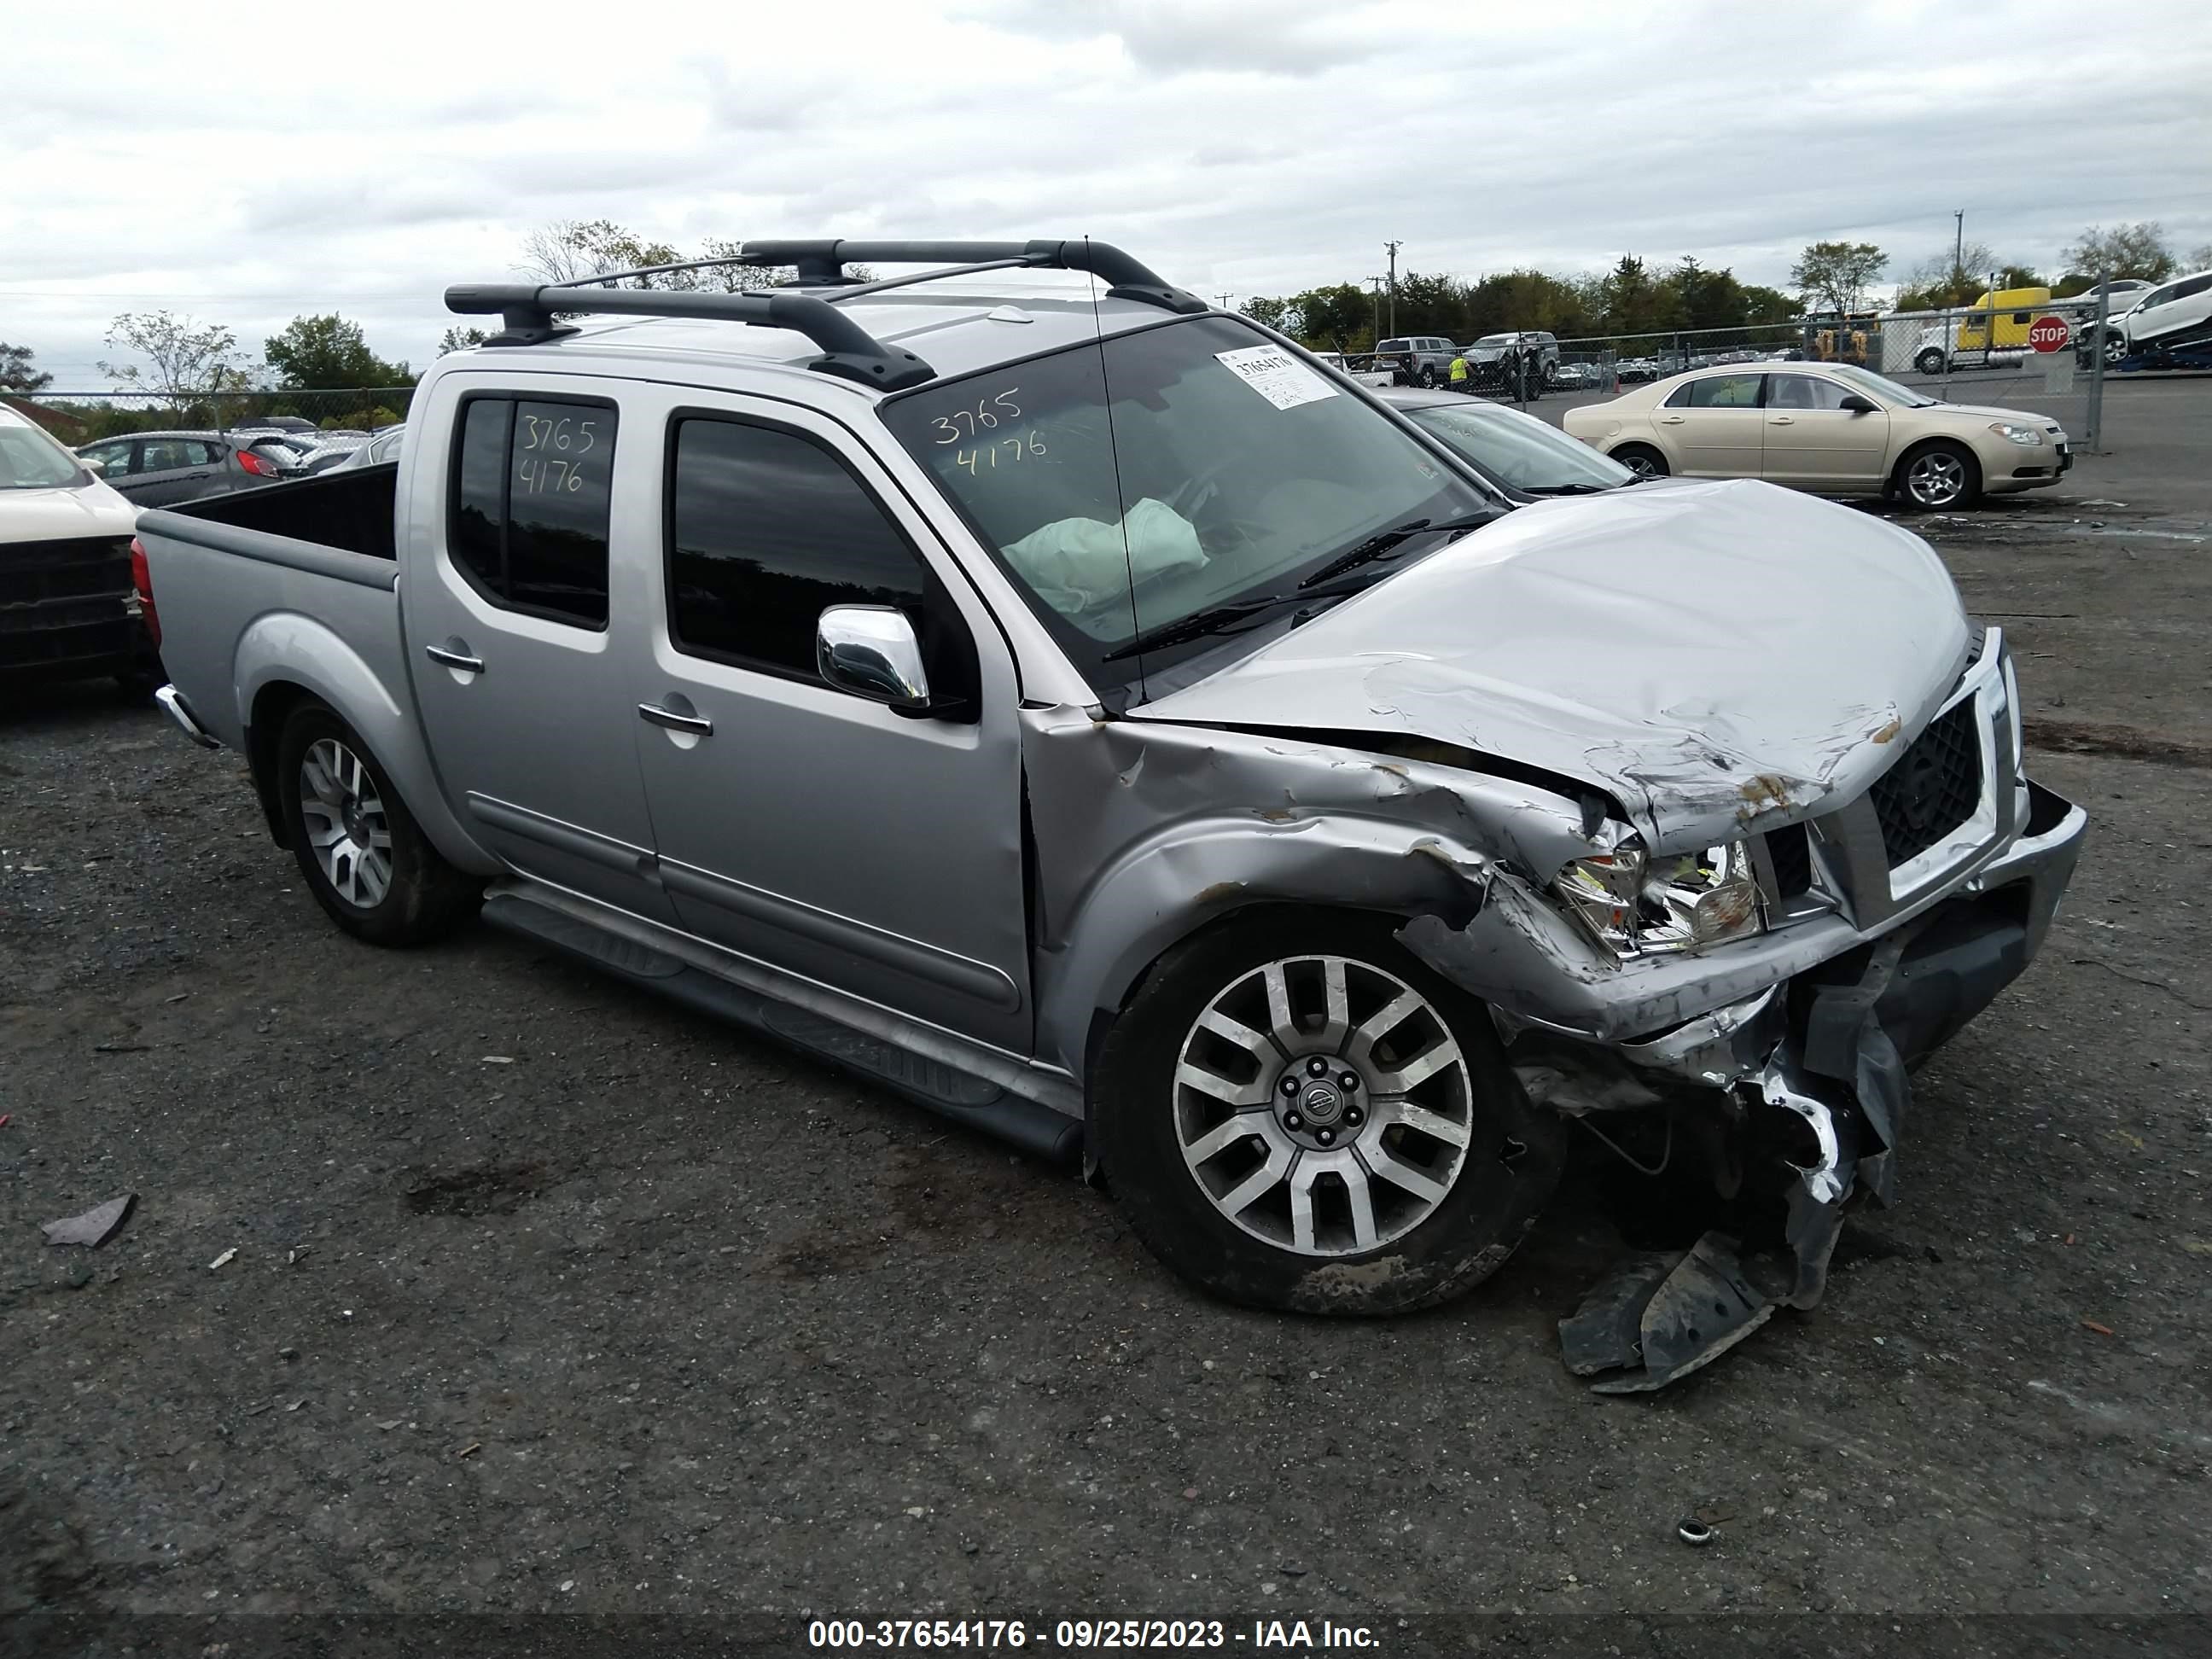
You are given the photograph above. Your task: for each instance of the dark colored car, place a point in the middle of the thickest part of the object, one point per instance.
(1516, 450)
(166, 468)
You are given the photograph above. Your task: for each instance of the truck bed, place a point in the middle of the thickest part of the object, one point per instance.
(297, 583)
(350, 509)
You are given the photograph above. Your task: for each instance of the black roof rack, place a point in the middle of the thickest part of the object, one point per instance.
(528, 310)
(848, 350)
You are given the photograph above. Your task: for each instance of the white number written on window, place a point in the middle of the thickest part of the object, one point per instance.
(985, 457)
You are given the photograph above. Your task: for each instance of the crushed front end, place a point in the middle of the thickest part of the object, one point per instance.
(1767, 997)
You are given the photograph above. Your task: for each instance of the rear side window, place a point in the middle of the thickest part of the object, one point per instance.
(766, 530)
(1717, 391)
(167, 454)
(532, 485)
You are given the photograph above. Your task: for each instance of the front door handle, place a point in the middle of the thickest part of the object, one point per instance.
(460, 660)
(698, 725)
(1781, 420)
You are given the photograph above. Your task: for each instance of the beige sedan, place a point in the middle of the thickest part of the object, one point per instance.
(1830, 428)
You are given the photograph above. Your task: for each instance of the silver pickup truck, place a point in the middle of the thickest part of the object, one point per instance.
(1091, 716)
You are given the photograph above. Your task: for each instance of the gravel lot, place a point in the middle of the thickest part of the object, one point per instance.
(547, 1296)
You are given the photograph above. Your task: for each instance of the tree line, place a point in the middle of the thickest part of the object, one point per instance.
(1829, 278)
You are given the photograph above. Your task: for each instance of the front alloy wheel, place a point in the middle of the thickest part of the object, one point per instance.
(1323, 1105)
(1937, 478)
(1298, 1113)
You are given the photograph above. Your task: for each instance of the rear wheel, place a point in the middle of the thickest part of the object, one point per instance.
(1642, 460)
(1940, 478)
(1298, 1114)
(365, 858)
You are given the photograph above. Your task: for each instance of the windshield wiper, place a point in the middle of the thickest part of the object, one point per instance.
(1195, 626)
(1564, 490)
(1383, 543)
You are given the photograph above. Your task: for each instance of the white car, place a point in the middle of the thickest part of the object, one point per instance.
(66, 586)
(2176, 316)
(1832, 428)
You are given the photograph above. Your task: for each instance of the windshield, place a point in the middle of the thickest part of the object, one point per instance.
(29, 460)
(1867, 382)
(1521, 450)
(1230, 471)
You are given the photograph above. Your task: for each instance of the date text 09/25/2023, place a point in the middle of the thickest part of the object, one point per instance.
(1263, 1635)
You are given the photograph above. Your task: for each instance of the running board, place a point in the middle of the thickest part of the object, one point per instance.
(966, 1098)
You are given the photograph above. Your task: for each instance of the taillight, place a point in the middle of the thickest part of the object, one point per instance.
(259, 465)
(143, 580)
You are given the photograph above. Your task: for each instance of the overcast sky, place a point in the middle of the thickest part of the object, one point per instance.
(247, 165)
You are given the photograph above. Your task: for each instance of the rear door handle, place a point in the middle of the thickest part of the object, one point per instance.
(1670, 420)
(696, 724)
(1781, 420)
(466, 664)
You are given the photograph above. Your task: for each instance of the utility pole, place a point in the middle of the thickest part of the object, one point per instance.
(1378, 283)
(1222, 299)
(1959, 245)
(1394, 247)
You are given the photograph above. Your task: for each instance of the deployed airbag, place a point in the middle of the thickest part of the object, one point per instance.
(1076, 564)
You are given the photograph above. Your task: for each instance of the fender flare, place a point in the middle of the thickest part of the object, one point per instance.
(1163, 890)
(287, 648)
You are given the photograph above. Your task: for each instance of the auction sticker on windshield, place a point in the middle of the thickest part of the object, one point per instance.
(1276, 375)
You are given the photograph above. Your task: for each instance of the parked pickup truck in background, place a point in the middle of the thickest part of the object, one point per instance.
(1102, 725)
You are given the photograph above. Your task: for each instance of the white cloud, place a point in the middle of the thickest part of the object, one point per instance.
(361, 160)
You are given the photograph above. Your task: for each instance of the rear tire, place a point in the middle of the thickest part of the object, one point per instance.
(1403, 1188)
(366, 860)
(1642, 460)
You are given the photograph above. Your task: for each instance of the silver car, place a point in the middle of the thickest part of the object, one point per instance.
(1098, 722)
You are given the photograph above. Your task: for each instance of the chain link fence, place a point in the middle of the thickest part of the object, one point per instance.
(77, 418)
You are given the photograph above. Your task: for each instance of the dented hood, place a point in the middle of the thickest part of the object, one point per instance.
(1716, 657)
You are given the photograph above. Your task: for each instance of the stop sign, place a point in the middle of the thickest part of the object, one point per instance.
(2049, 334)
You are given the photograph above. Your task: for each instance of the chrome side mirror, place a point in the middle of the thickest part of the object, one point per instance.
(870, 651)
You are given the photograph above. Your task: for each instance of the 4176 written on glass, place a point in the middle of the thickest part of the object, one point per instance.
(552, 449)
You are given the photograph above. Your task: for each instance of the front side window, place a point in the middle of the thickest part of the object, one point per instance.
(766, 531)
(1137, 489)
(532, 494)
(1803, 391)
(1878, 386)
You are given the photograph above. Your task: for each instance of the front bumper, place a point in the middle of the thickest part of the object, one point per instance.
(1871, 967)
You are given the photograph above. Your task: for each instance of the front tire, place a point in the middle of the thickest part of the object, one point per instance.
(1401, 1168)
(1428, 378)
(1929, 361)
(366, 861)
(1940, 477)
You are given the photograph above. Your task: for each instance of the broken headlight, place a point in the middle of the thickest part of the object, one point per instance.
(1637, 905)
